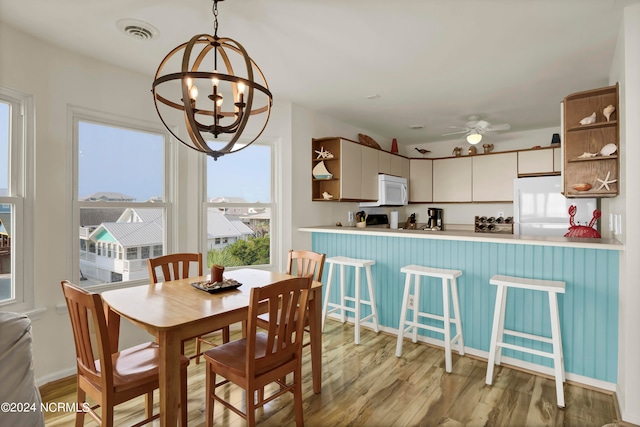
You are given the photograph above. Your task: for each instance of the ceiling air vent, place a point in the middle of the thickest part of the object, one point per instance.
(137, 29)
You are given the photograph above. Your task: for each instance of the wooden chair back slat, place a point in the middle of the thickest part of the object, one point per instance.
(174, 266)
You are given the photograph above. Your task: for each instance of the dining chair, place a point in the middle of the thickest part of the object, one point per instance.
(263, 357)
(109, 376)
(177, 266)
(300, 263)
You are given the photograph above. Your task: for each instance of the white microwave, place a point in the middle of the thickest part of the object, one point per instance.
(392, 191)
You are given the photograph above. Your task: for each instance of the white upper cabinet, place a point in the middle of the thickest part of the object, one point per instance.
(421, 180)
(384, 162)
(493, 176)
(536, 162)
(452, 179)
(350, 170)
(369, 173)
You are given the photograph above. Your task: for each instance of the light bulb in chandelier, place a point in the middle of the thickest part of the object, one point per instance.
(234, 76)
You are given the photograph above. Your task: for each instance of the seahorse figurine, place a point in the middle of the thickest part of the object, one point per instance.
(608, 110)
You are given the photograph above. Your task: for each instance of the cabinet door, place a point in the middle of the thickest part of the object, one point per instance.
(421, 180)
(350, 170)
(399, 166)
(493, 176)
(452, 180)
(535, 162)
(557, 159)
(384, 162)
(369, 174)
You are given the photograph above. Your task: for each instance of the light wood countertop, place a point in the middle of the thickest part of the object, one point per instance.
(610, 244)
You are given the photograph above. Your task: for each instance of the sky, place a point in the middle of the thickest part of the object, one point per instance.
(129, 162)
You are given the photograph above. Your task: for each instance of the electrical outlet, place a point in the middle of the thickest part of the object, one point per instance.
(412, 302)
(500, 214)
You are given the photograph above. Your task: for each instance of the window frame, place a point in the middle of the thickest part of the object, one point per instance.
(274, 221)
(80, 114)
(21, 197)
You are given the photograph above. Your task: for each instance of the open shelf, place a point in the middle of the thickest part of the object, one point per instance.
(593, 159)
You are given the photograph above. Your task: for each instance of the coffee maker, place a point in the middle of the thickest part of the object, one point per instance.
(434, 222)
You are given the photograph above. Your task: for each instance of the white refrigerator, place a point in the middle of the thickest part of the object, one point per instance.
(540, 209)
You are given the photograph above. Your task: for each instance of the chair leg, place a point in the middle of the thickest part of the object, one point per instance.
(297, 396)
(251, 408)
(198, 344)
(403, 314)
(210, 388)
(148, 399)
(107, 411)
(82, 396)
(498, 314)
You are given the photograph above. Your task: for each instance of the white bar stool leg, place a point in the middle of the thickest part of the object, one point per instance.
(447, 325)
(416, 306)
(372, 299)
(456, 312)
(343, 312)
(327, 295)
(557, 347)
(501, 326)
(358, 306)
(497, 317)
(403, 314)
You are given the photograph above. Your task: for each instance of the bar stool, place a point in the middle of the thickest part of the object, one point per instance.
(357, 300)
(553, 288)
(412, 302)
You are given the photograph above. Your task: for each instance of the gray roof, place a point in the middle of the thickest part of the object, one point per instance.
(135, 227)
(95, 217)
(219, 225)
(111, 196)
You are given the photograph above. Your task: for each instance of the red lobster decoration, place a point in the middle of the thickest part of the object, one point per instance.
(582, 230)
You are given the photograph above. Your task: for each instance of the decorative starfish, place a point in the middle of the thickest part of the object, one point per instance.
(323, 154)
(605, 182)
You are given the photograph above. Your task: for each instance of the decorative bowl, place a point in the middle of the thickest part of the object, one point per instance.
(323, 176)
(583, 186)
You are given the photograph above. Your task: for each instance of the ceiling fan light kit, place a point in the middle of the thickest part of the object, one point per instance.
(474, 138)
(235, 86)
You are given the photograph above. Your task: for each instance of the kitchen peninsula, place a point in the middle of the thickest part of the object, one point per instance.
(588, 309)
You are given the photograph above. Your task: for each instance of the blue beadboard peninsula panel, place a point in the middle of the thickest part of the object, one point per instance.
(588, 309)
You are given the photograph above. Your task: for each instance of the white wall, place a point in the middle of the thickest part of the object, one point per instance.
(626, 71)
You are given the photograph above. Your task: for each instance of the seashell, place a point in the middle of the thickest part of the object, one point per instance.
(608, 149)
(586, 155)
(608, 110)
(584, 186)
(589, 120)
(327, 196)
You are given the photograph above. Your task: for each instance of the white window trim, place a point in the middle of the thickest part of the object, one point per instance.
(76, 114)
(276, 201)
(22, 186)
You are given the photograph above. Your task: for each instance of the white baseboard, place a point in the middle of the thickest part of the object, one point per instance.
(624, 414)
(46, 379)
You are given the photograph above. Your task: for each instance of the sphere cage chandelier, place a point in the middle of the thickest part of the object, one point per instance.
(239, 79)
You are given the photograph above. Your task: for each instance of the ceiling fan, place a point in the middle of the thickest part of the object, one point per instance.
(475, 128)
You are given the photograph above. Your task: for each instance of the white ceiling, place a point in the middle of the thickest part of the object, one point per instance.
(432, 62)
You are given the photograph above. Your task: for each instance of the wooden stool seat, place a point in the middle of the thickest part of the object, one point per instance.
(370, 320)
(553, 288)
(412, 302)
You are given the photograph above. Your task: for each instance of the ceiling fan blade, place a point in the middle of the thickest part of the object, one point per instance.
(482, 124)
(453, 133)
(504, 126)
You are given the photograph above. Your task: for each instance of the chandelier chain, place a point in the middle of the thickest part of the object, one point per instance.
(215, 18)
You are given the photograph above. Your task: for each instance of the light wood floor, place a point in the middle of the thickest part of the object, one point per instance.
(367, 385)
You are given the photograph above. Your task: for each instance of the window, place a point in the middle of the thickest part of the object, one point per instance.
(240, 207)
(122, 215)
(16, 200)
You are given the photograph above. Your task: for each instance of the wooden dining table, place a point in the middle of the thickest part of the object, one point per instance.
(175, 310)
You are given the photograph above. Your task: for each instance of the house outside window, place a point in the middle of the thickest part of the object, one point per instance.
(16, 200)
(240, 212)
(118, 213)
